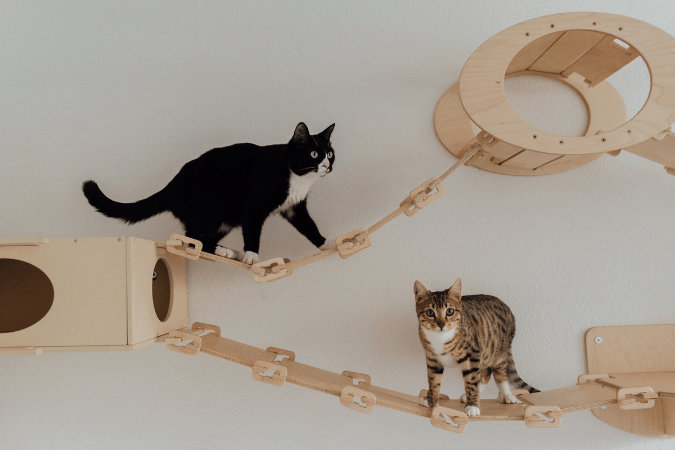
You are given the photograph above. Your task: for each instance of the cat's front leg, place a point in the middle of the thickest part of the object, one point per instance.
(251, 229)
(471, 375)
(298, 216)
(435, 374)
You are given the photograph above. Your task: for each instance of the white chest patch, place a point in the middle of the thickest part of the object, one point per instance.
(437, 339)
(298, 189)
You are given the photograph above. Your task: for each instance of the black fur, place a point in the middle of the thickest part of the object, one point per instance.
(229, 187)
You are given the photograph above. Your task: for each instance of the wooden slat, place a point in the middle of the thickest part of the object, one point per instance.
(574, 398)
(660, 382)
(604, 59)
(502, 151)
(530, 160)
(16, 242)
(531, 52)
(660, 151)
(571, 45)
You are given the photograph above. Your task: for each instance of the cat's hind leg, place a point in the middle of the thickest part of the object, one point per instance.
(505, 394)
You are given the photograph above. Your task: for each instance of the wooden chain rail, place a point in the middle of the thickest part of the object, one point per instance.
(346, 245)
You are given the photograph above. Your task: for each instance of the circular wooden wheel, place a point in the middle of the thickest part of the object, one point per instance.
(579, 49)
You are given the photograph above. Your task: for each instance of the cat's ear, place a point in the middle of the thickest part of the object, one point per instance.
(301, 135)
(455, 290)
(325, 134)
(420, 291)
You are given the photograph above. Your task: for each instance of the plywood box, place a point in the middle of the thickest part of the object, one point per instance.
(88, 294)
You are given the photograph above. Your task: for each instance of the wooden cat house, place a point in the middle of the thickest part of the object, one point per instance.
(88, 294)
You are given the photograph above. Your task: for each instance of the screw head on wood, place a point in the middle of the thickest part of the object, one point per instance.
(598, 340)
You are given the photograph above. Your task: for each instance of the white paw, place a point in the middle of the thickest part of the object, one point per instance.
(424, 401)
(328, 244)
(472, 410)
(509, 398)
(462, 398)
(227, 253)
(251, 258)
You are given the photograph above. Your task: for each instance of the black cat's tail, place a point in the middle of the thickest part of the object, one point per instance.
(127, 212)
(515, 382)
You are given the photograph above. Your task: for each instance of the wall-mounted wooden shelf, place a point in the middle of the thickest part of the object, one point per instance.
(580, 50)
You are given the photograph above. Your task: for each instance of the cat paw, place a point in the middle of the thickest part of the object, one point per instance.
(328, 244)
(227, 253)
(424, 401)
(462, 398)
(251, 258)
(472, 410)
(508, 399)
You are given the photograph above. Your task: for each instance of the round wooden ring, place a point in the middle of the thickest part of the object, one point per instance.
(481, 85)
(453, 125)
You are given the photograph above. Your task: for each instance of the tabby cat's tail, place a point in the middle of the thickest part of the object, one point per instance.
(127, 212)
(515, 382)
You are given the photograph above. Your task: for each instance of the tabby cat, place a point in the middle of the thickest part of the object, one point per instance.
(236, 186)
(474, 332)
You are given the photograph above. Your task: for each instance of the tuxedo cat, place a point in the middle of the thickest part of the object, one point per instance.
(236, 186)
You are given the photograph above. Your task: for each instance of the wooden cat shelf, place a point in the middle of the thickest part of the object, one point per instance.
(580, 50)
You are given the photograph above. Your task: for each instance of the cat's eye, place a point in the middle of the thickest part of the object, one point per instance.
(449, 312)
(314, 154)
(430, 312)
(330, 154)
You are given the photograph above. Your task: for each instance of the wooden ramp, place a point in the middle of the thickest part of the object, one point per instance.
(355, 390)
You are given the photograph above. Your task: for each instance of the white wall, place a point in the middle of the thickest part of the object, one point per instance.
(126, 92)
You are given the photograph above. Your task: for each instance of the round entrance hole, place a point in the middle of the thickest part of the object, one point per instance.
(26, 295)
(161, 290)
(547, 104)
(550, 105)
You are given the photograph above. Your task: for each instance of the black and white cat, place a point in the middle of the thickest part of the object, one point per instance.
(236, 186)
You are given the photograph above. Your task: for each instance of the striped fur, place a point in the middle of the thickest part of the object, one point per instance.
(476, 331)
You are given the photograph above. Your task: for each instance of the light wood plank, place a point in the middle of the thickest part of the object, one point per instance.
(604, 59)
(531, 52)
(660, 151)
(571, 45)
(574, 398)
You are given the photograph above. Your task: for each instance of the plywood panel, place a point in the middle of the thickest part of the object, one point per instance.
(624, 349)
(660, 151)
(660, 382)
(573, 398)
(90, 294)
(531, 52)
(604, 59)
(143, 321)
(567, 49)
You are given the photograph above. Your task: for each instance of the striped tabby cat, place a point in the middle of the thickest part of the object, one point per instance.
(474, 332)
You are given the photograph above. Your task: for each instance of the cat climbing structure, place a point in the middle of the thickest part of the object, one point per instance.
(581, 50)
(92, 294)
